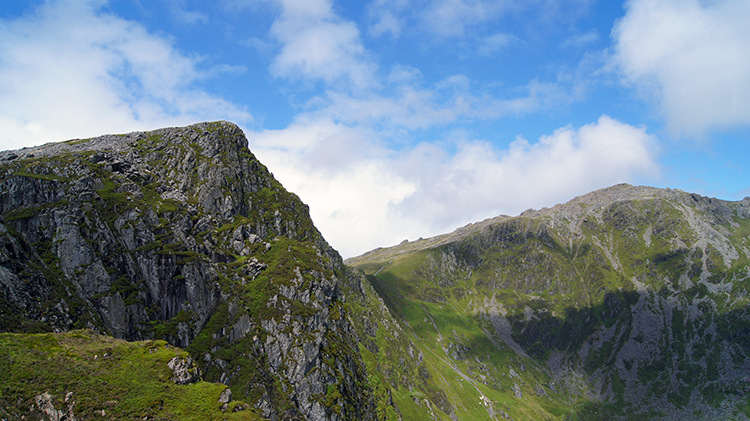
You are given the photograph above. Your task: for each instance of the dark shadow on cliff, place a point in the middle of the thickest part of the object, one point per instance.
(690, 350)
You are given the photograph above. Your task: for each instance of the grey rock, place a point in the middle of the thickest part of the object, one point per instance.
(185, 372)
(225, 398)
(517, 391)
(43, 403)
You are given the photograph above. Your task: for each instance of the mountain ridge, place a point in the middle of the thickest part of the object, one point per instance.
(627, 302)
(609, 289)
(578, 204)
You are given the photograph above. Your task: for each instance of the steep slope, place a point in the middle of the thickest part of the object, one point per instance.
(626, 303)
(181, 234)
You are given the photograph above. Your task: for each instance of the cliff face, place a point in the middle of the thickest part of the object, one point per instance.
(626, 302)
(182, 234)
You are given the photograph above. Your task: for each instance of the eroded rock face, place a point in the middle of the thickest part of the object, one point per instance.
(181, 234)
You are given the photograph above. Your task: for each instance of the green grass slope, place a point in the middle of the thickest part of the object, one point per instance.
(627, 303)
(91, 377)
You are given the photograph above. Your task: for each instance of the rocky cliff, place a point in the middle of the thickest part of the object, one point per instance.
(181, 234)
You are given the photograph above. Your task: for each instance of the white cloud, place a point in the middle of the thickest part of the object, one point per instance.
(387, 23)
(387, 17)
(371, 195)
(451, 17)
(410, 105)
(690, 56)
(316, 44)
(342, 174)
(495, 43)
(180, 12)
(70, 70)
(479, 181)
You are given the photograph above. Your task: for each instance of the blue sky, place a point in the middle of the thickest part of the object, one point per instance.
(398, 119)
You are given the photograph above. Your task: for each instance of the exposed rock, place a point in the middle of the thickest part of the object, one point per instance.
(517, 391)
(184, 372)
(43, 403)
(225, 398)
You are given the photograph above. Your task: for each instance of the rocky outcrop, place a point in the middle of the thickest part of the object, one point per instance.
(44, 406)
(182, 234)
(184, 371)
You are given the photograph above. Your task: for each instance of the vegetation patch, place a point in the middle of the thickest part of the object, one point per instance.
(101, 375)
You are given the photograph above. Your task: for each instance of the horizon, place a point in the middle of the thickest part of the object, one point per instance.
(396, 120)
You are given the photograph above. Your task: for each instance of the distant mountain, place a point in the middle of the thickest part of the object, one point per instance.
(626, 303)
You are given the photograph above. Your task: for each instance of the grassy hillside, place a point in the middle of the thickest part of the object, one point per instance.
(627, 303)
(94, 377)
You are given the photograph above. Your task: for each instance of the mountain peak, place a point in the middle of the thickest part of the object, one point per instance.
(589, 203)
(226, 135)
